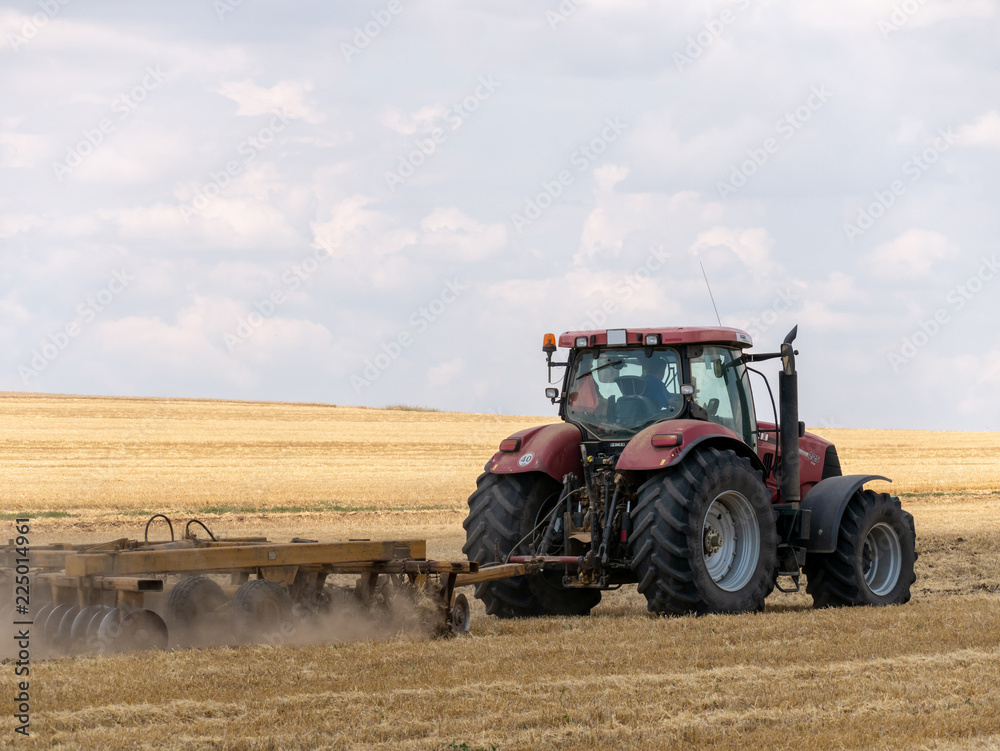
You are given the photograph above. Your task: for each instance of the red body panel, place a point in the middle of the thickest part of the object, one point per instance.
(641, 454)
(552, 449)
(669, 334)
(555, 450)
(812, 455)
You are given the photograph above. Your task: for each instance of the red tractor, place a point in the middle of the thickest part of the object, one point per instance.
(661, 474)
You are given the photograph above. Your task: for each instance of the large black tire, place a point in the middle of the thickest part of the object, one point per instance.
(873, 563)
(503, 510)
(688, 560)
(261, 611)
(191, 600)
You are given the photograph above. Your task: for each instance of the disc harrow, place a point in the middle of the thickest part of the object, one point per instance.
(124, 594)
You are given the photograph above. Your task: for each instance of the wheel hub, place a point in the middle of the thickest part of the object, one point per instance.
(881, 559)
(731, 541)
(713, 541)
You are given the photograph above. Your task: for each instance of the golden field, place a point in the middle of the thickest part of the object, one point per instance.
(924, 675)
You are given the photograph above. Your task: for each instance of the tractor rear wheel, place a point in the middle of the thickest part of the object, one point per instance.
(873, 563)
(704, 537)
(503, 513)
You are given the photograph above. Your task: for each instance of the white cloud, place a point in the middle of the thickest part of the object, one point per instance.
(449, 235)
(286, 97)
(407, 124)
(912, 255)
(15, 224)
(752, 246)
(23, 149)
(983, 131)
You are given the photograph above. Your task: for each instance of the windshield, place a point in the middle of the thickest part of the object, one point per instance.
(623, 390)
(721, 389)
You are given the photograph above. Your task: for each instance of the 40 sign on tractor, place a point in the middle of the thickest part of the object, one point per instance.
(661, 474)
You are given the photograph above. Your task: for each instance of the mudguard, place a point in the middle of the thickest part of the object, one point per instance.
(640, 454)
(826, 502)
(552, 449)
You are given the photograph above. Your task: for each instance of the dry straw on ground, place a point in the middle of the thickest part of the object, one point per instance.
(923, 675)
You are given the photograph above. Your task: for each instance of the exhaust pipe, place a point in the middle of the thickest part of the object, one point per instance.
(788, 403)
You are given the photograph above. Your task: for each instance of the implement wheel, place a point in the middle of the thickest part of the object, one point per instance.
(504, 511)
(190, 602)
(461, 617)
(873, 563)
(261, 611)
(704, 537)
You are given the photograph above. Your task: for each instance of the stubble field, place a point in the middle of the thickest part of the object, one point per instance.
(924, 675)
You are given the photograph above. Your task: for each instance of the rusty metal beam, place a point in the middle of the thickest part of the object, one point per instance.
(492, 573)
(229, 557)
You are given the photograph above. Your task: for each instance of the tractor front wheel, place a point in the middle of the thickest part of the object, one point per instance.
(873, 562)
(704, 537)
(504, 514)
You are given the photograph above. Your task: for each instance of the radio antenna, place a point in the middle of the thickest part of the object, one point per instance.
(710, 292)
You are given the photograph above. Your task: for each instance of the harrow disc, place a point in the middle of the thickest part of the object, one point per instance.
(64, 633)
(132, 631)
(78, 630)
(50, 630)
(108, 629)
(94, 625)
(42, 614)
(140, 630)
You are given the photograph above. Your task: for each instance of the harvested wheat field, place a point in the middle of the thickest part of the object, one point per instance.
(923, 675)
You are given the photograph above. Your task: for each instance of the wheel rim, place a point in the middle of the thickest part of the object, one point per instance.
(731, 541)
(881, 559)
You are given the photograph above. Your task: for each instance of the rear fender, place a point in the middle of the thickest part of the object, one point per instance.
(552, 449)
(826, 503)
(640, 454)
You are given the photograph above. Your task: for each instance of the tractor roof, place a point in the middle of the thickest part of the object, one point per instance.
(668, 335)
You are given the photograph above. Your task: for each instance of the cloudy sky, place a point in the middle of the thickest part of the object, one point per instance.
(391, 201)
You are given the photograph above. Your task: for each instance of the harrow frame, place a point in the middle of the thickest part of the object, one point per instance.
(99, 591)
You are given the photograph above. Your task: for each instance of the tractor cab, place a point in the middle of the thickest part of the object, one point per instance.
(660, 474)
(643, 377)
